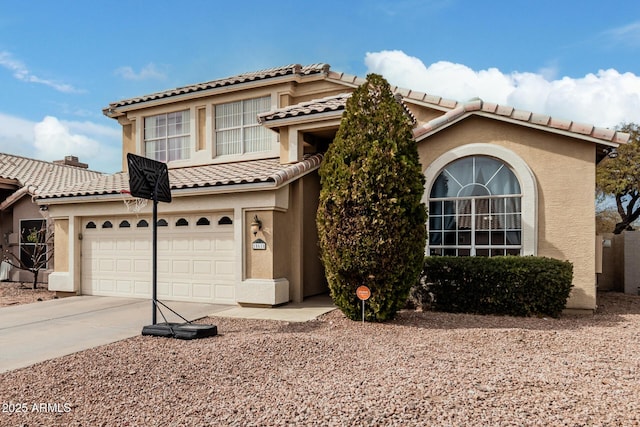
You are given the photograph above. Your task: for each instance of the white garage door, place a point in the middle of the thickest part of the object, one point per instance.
(196, 257)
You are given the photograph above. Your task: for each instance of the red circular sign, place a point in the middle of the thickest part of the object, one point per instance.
(363, 293)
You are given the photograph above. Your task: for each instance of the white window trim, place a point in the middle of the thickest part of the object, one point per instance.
(528, 185)
(140, 146)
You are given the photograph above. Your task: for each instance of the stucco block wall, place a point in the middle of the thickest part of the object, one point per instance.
(565, 173)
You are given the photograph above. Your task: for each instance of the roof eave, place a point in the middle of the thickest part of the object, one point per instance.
(114, 110)
(575, 135)
(276, 124)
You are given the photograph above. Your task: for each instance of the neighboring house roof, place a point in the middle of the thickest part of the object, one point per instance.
(34, 177)
(288, 70)
(266, 171)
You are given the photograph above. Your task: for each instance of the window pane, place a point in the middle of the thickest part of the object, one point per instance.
(435, 238)
(256, 139)
(228, 142)
(228, 115)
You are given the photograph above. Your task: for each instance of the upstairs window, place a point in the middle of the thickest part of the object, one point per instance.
(166, 136)
(237, 127)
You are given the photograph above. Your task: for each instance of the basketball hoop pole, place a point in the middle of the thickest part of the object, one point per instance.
(154, 284)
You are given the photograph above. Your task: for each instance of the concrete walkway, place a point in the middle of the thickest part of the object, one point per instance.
(33, 333)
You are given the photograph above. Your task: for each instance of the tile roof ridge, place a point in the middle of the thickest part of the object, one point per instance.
(295, 170)
(51, 163)
(477, 105)
(291, 69)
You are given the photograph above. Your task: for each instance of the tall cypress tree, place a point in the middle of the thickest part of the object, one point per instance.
(371, 220)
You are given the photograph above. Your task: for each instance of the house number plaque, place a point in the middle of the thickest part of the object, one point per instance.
(259, 245)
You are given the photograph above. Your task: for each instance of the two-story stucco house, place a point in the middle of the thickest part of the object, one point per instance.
(498, 181)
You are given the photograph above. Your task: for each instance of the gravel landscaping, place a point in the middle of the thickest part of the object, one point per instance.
(426, 369)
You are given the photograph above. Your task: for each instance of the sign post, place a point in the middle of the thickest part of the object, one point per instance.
(363, 293)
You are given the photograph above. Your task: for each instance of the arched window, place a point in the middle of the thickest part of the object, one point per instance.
(203, 221)
(475, 208)
(225, 220)
(182, 222)
(142, 223)
(124, 224)
(107, 224)
(91, 224)
(162, 223)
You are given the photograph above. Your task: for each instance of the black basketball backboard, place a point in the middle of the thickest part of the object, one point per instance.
(147, 176)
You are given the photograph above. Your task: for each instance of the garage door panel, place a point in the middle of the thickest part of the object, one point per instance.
(124, 286)
(180, 244)
(142, 266)
(181, 266)
(202, 267)
(106, 245)
(106, 264)
(142, 288)
(124, 265)
(225, 294)
(225, 244)
(200, 245)
(181, 289)
(124, 245)
(194, 263)
(106, 285)
(202, 290)
(141, 245)
(225, 268)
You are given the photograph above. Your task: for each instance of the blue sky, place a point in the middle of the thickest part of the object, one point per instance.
(62, 62)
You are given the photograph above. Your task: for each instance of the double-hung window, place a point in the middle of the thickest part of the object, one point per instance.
(237, 128)
(167, 137)
(475, 208)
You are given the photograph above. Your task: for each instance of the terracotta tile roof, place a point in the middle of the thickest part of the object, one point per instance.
(38, 176)
(336, 103)
(316, 106)
(434, 101)
(248, 172)
(288, 70)
(477, 106)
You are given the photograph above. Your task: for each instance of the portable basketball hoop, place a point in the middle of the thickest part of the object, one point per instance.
(133, 204)
(149, 180)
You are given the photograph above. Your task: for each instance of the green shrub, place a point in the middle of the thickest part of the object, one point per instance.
(511, 285)
(371, 221)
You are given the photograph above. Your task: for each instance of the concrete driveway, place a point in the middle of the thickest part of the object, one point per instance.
(33, 333)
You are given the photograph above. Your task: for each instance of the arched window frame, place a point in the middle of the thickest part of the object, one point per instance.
(520, 169)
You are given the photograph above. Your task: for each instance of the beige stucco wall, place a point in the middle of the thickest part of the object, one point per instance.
(565, 173)
(259, 263)
(313, 274)
(61, 245)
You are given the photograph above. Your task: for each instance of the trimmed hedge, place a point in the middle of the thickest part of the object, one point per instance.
(510, 285)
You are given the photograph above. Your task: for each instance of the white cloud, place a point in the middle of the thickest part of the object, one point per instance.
(21, 72)
(605, 98)
(627, 34)
(53, 139)
(149, 71)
